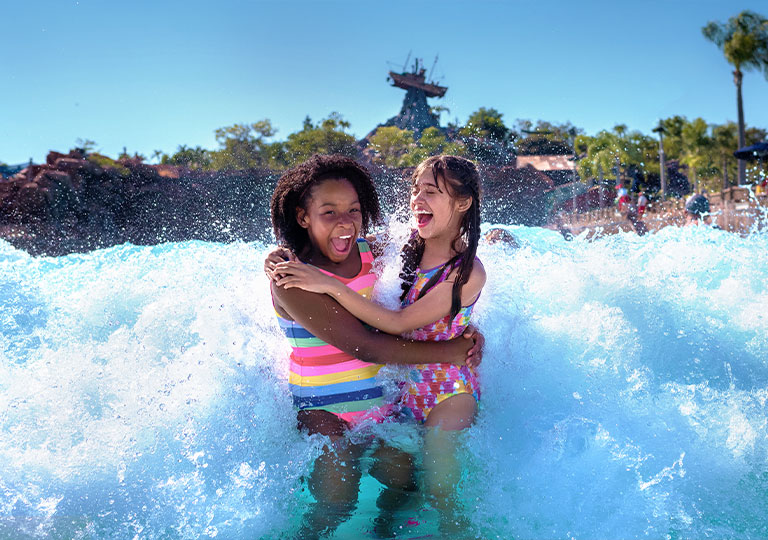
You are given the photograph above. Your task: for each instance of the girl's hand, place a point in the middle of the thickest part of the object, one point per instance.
(304, 276)
(475, 354)
(457, 351)
(276, 257)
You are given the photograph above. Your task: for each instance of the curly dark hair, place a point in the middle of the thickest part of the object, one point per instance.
(462, 178)
(295, 187)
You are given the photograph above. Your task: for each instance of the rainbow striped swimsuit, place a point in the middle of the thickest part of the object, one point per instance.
(430, 384)
(323, 377)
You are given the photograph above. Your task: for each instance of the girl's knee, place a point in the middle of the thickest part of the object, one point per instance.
(454, 413)
(394, 468)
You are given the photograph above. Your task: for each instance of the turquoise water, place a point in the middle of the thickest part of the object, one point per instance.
(143, 393)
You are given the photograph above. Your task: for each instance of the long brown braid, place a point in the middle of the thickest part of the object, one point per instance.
(462, 178)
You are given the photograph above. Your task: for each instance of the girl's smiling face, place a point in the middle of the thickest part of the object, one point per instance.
(436, 211)
(333, 220)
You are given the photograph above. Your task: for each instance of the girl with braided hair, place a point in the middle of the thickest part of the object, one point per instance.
(442, 280)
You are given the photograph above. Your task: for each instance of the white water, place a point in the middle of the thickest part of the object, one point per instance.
(143, 393)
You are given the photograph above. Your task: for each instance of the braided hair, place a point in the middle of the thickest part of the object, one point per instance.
(462, 179)
(294, 188)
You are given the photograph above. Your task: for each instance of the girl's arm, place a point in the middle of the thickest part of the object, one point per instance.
(433, 306)
(326, 319)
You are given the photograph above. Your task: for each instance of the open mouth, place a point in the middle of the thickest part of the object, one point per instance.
(342, 244)
(422, 217)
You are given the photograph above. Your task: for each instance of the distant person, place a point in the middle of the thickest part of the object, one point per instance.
(622, 196)
(761, 188)
(642, 204)
(633, 215)
(697, 210)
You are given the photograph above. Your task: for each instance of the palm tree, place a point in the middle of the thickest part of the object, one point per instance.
(603, 152)
(744, 41)
(696, 143)
(723, 138)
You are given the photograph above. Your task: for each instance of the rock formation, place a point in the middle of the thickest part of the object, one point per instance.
(415, 114)
(77, 202)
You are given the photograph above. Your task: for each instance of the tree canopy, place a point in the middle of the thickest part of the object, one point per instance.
(397, 147)
(485, 124)
(242, 146)
(328, 136)
(191, 158)
(744, 42)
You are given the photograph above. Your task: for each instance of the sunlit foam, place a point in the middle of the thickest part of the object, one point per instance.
(143, 392)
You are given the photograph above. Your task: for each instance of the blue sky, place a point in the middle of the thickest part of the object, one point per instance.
(149, 75)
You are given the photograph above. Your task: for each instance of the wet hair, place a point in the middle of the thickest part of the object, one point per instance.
(697, 205)
(294, 189)
(462, 179)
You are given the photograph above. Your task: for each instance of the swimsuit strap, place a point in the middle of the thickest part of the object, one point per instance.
(441, 273)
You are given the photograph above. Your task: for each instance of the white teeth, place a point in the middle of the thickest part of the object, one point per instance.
(347, 237)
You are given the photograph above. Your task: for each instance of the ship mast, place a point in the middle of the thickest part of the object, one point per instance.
(431, 71)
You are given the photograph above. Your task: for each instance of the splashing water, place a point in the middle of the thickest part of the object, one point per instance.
(143, 393)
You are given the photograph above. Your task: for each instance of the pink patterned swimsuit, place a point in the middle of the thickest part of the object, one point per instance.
(430, 384)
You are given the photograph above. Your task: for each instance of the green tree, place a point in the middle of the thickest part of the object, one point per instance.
(673, 135)
(392, 145)
(485, 124)
(433, 142)
(600, 153)
(542, 146)
(438, 110)
(755, 135)
(191, 158)
(615, 154)
(397, 147)
(522, 125)
(744, 42)
(326, 137)
(242, 146)
(86, 145)
(566, 132)
(725, 139)
(696, 148)
(486, 138)
(544, 138)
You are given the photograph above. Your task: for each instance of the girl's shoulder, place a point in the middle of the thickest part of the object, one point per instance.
(471, 290)
(477, 265)
(478, 272)
(363, 245)
(477, 277)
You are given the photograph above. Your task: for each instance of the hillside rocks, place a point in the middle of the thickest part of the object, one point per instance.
(76, 202)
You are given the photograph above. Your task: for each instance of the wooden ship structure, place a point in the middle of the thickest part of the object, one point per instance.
(416, 79)
(415, 114)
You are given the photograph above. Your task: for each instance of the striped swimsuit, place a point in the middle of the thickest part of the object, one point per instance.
(322, 377)
(430, 384)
